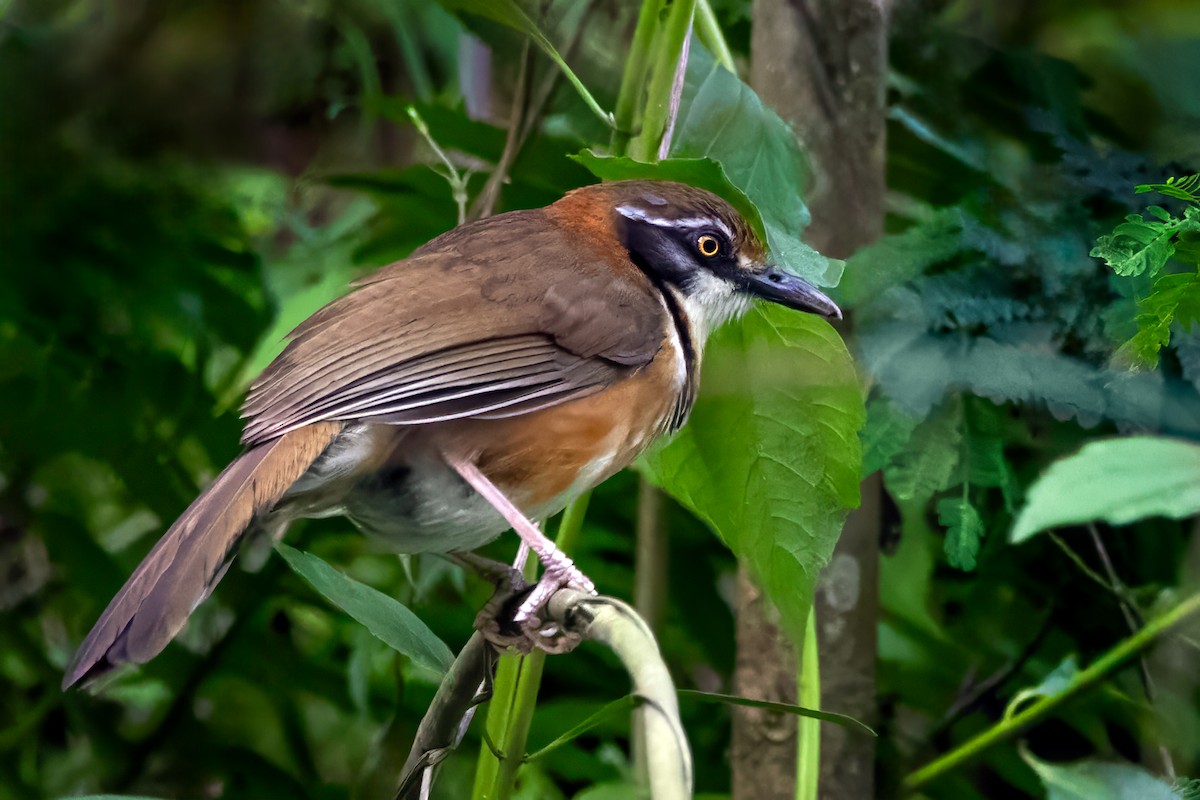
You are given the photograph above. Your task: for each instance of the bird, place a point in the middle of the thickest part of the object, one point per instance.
(498, 372)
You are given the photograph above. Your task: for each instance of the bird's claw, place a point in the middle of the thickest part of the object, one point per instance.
(524, 629)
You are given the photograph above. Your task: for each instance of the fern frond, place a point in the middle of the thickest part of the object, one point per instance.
(1180, 188)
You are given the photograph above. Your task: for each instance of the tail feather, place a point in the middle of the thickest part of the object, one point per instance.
(189, 560)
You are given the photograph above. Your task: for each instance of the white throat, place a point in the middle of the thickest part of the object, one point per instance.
(711, 303)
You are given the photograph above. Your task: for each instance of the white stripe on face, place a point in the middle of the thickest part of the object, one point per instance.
(690, 223)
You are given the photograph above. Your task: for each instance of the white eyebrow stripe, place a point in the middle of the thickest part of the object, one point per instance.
(642, 215)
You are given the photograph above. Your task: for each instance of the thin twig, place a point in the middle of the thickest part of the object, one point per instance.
(1090, 573)
(485, 203)
(1043, 707)
(1135, 621)
(1133, 617)
(525, 117)
(457, 180)
(989, 686)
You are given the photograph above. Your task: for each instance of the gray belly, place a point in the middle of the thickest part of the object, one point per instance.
(413, 502)
(423, 510)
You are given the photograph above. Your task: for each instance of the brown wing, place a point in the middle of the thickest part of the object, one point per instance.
(478, 323)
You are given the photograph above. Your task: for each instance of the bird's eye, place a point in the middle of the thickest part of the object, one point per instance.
(708, 245)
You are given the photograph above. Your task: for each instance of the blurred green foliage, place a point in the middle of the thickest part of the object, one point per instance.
(992, 341)
(180, 183)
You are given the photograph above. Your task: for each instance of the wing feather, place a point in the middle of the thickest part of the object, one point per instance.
(472, 325)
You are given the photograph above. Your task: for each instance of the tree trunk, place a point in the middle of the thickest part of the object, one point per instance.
(822, 64)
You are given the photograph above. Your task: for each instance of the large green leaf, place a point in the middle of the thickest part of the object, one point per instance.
(1115, 480)
(1093, 779)
(770, 458)
(723, 119)
(384, 616)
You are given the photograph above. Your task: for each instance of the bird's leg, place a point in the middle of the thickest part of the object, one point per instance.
(560, 571)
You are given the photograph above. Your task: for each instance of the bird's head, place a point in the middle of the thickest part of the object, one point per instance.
(694, 243)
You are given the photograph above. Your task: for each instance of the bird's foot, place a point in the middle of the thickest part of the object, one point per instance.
(560, 573)
(514, 616)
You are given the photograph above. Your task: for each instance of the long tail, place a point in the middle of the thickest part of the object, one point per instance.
(189, 560)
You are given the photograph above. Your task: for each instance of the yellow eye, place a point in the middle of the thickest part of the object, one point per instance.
(708, 245)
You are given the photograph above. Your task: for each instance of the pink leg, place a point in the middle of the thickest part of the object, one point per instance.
(560, 570)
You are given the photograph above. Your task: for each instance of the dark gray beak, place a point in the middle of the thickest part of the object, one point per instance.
(789, 290)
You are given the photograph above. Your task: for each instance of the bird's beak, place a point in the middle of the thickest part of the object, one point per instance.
(789, 290)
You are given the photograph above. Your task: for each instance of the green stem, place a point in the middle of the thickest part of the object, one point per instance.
(650, 558)
(458, 181)
(549, 49)
(500, 714)
(708, 30)
(674, 33)
(1010, 727)
(529, 680)
(808, 731)
(633, 80)
(515, 690)
(649, 586)
(572, 522)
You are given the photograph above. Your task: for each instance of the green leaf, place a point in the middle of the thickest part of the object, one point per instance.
(383, 616)
(1093, 779)
(902, 256)
(784, 708)
(621, 706)
(1187, 788)
(1173, 298)
(887, 430)
(970, 153)
(931, 459)
(964, 531)
(703, 173)
(1180, 188)
(1056, 682)
(919, 368)
(770, 459)
(723, 119)
(1115, 480)
(1139, 246)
